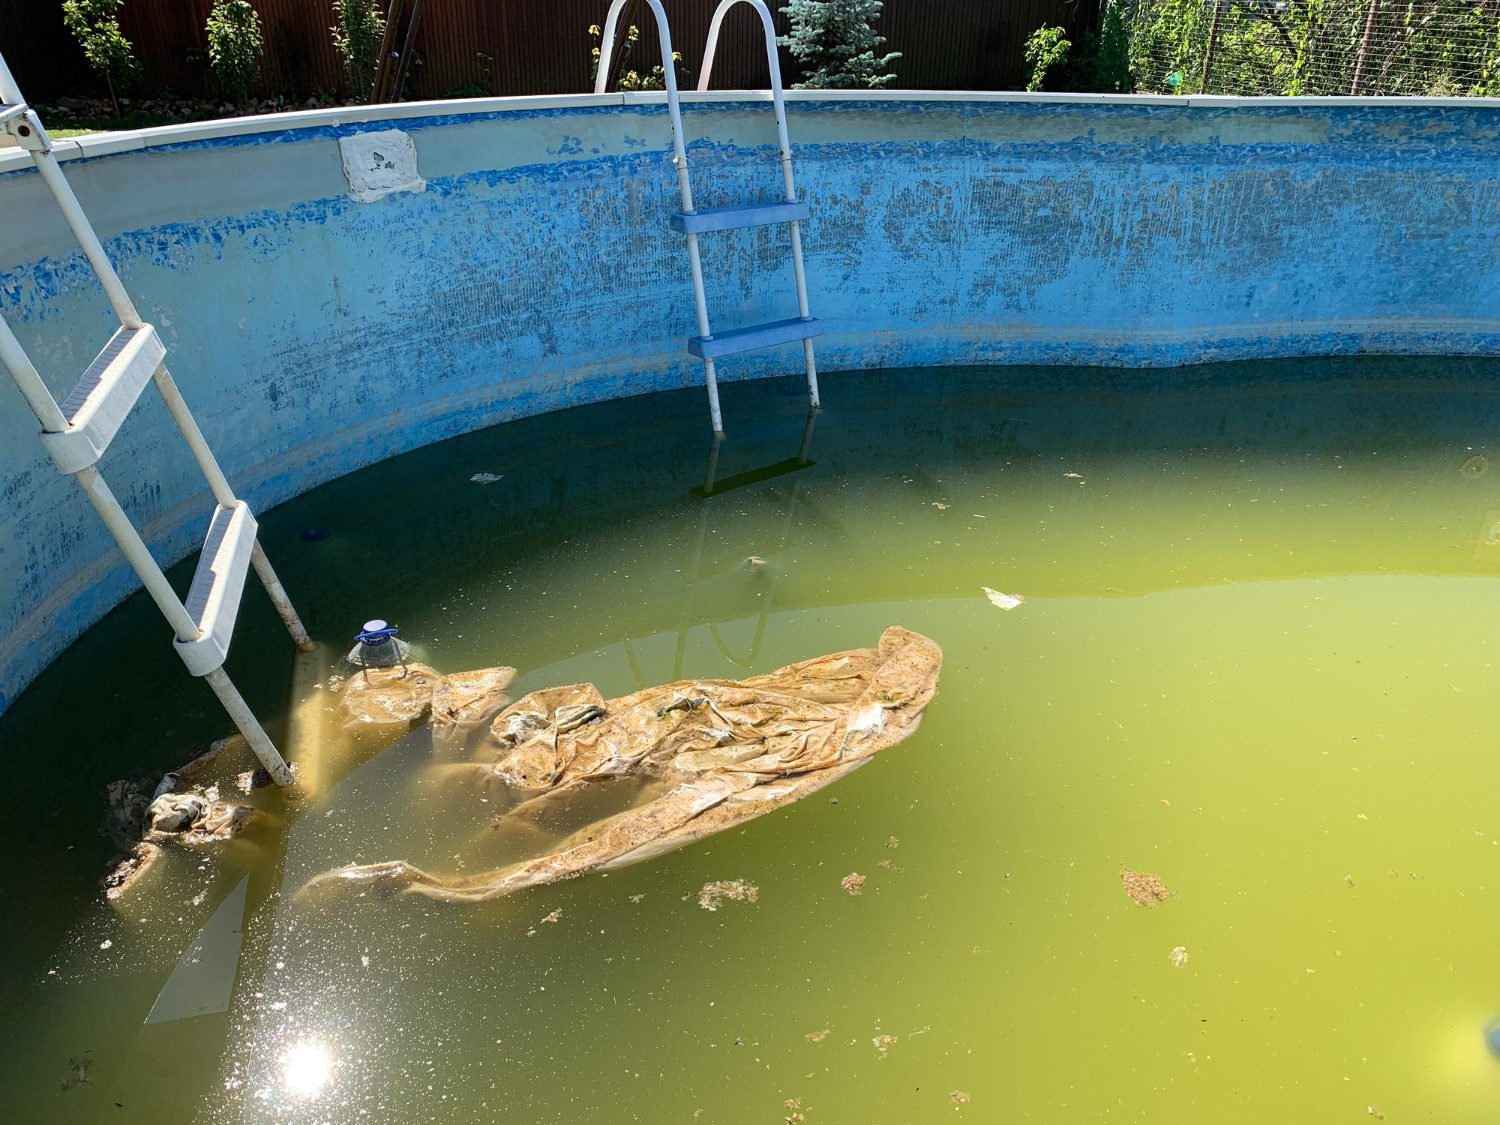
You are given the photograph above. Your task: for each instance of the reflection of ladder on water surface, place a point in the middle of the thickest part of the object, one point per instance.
(708, 346)
(762, 573)
(76, 433)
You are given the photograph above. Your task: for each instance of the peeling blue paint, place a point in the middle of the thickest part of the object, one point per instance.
(316, 336)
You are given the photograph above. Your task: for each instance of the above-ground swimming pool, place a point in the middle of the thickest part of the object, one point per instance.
(1253, 659)
(1238, 653)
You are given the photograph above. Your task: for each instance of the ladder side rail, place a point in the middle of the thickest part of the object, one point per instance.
(679, 153)
(88, 241)
(9, 91)
(125, 309)
(32, 387)
(28, 381)
(773, 65)
(778, 103)
(134, 548)
(224, 495)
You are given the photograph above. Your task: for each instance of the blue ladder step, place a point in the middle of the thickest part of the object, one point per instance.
(756, 336)
(741, 215)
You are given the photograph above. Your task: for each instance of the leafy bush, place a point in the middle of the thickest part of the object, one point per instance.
(235, 47)
(1046, 48)
(357, 37)
(836, 45)
(95, 24)
(654, 79)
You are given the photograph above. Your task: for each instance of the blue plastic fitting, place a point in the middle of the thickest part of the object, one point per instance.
(376, 633)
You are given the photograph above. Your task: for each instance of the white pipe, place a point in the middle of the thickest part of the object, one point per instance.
(680, 158)
(250, 727)
(24, 372)
(9, 91)
(280, 600)
(78, 222)
(218, 483)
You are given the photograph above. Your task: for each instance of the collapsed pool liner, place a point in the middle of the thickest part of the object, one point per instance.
(715, 753)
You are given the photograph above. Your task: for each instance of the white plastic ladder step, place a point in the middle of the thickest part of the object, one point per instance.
(9, 111)
(213, 601)
(741, 215)
(104, 397)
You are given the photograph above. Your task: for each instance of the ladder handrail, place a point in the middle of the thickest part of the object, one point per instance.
(9, 91)
(773, 63)
(679, 157)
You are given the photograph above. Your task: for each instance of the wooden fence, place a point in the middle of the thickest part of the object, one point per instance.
(524, 46)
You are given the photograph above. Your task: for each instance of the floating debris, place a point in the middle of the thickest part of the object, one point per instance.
(853, 882)
(891, 867)
(1004, 601)
(1374, 1111)
(1348, 880)
(794, 1114)
(637, 898)
(1073, 476)
(884, 1043)
(552, 918)
(1143, 889)
(958, 1098)
(733, 890)
(1178, 956)
(940, 506)
(893, 842)
(816, 1036)
(486, 478)
(80, 1068)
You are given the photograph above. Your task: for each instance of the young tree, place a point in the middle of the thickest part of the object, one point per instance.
(96, 26)
(1046, 48)
(235, 46)
(836, 45)
(357, 37)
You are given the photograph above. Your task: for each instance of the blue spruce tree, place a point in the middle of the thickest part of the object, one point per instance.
(836, 45)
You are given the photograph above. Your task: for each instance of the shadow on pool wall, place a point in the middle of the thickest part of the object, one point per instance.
(314, 334)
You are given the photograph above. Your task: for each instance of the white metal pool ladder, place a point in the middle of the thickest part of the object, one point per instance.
(76, 433)
(707, 345)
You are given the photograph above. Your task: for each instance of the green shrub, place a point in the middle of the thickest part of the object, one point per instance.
(357, 37)
(653, 79)
(1046, 48)
(95, 24)
(235, 47)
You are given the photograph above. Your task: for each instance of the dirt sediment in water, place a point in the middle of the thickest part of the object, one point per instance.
(1143, 889)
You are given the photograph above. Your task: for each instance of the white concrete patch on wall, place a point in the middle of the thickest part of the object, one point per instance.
(380, 164)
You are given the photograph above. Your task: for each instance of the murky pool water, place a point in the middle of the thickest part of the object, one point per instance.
(1256, 658)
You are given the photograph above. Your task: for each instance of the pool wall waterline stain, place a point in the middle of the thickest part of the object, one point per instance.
(314, 334)
(1253, 660)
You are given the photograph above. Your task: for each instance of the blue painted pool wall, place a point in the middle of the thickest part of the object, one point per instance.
(314, 334)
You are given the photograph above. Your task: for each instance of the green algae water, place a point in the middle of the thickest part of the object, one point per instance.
(1256, 658)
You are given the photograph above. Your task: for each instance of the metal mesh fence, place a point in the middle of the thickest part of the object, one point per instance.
(1442, 48)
